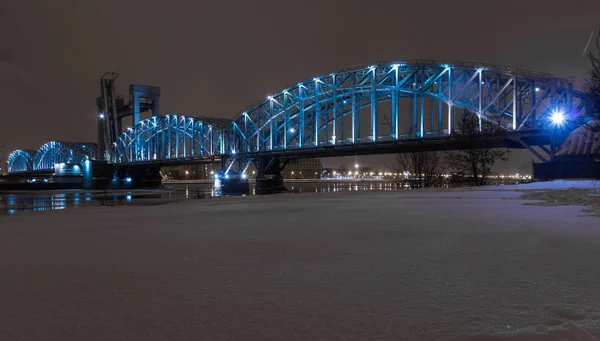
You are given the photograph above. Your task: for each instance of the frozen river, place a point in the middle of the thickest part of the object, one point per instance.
(20, 201)
(405, 265)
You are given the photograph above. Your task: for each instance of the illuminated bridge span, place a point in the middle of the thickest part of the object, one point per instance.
(368, 109)
(172, 137)
(49, 155)
(384, 104)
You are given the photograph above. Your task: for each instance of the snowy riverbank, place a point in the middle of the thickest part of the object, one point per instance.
(463, 264)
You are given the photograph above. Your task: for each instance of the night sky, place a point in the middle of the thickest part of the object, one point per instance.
(214, 58)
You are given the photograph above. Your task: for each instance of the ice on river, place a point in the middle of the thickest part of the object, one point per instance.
(410, 265)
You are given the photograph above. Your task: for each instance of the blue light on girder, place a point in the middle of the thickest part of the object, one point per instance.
(233, 151)
(372, 67)
(537, 89)
(270, 98)
(395, 66)
(128, 180)
(101, 116)
(226, 176)
(244, 176)
(316, 80)
(292, 130)
(558, 117)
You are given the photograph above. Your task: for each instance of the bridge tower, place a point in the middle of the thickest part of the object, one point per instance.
(112, 109)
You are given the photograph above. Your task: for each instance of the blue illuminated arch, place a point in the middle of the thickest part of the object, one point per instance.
(56, 152)
(170, 137)
(20, 161)
(328, 110)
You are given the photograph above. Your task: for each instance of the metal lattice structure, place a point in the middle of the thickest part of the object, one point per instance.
(56, 152)
(423, 99)
(379, 106)
(21, 161)
(171, 137)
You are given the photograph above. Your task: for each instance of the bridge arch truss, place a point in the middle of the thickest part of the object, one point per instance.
(398, 101)
(20, 161)
(171, 138)
(56, 152)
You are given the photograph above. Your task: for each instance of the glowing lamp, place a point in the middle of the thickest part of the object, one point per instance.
(558, 117)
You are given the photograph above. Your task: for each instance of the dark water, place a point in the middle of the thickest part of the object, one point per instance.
(14, 202)
(11, 203)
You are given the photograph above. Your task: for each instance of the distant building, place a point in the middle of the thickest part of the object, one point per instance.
(199, 171)
(303, 169)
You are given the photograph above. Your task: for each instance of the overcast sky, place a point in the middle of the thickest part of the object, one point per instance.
(214, 58)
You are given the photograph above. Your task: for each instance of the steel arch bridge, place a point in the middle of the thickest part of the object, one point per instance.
(50, 154)
(367, 104)
(368, 109)
(21, 161)
(171, 137)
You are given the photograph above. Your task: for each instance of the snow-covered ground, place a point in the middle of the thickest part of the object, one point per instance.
(467, 264)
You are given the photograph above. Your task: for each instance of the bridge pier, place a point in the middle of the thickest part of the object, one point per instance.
(103, 175)
(231, 183)
(269, 179)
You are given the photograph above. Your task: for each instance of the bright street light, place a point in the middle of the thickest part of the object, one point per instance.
(558, 117)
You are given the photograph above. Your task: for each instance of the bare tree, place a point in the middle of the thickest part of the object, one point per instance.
(423, 164)
(593, 80)
(475, 160)
(593, 92)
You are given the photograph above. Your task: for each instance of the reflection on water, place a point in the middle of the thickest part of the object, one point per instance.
(11, 203)
(344, 186)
